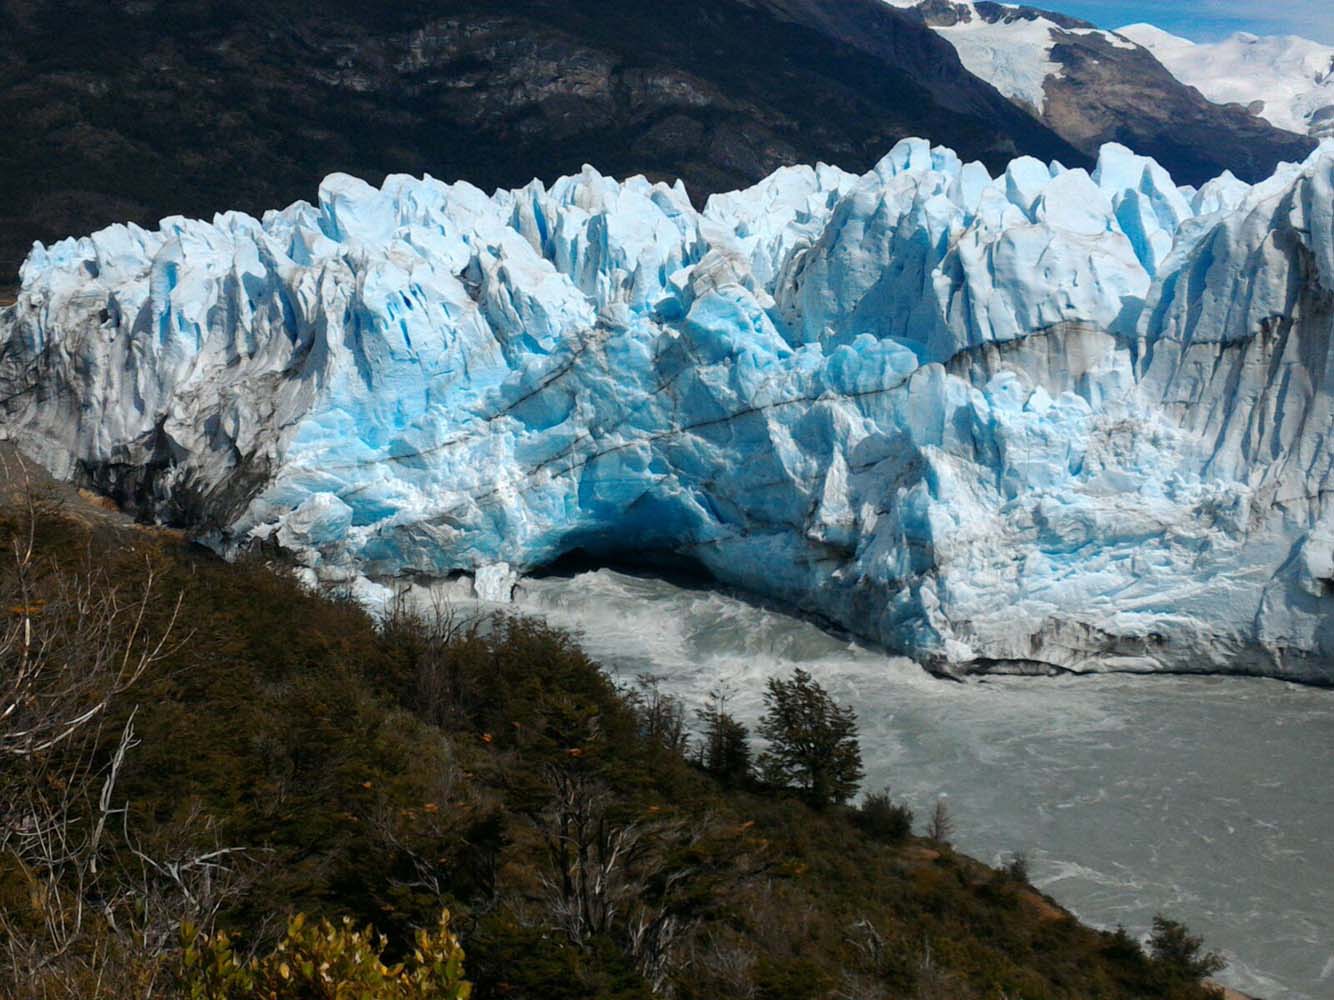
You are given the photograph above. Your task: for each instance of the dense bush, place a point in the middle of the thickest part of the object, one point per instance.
(880, 817)
(324, 961)
(1180, 954)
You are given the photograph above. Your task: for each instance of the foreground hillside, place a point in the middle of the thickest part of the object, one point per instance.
(268, 751)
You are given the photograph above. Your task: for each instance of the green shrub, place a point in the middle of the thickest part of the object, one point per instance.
(791, 979)
(1180, 954)
(884, 819)
(325, 961)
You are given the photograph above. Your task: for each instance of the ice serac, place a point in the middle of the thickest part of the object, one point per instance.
(1050, 419)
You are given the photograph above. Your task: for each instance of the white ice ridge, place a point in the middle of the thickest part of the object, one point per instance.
(1054, 417)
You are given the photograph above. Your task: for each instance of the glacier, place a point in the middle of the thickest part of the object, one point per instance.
(1051, 420)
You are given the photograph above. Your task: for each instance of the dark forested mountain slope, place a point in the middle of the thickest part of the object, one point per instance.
(133, 109)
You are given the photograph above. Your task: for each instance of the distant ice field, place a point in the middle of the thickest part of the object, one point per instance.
(1206, 799)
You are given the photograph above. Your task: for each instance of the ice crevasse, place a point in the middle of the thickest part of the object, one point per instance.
(1051, 419)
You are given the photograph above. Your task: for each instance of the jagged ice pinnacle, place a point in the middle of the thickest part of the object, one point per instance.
(1052, 418)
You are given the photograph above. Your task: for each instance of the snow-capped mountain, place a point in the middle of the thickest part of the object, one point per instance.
(1052, 417)
(1287, 80)
(1008, 46)
(1093, 86)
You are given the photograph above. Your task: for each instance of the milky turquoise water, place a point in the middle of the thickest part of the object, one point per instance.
(1206, 799)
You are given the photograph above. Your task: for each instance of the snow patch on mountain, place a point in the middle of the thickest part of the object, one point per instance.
(1008, 46)
(1057, 418)
(1289, 79)
(1013, 56)
(1114, 38)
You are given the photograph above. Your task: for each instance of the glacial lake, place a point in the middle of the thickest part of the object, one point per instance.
(1207, 799)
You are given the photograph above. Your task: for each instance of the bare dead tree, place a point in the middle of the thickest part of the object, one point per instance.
(868, 943)
(727, 965)
(935, 983)
(940, 828)
(616, 880)
(589, 857)
(73, 643)
(662, 717)
(189, 876)
(434, 633)
(655, 933)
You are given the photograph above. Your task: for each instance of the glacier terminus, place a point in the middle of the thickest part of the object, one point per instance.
(1055, 419)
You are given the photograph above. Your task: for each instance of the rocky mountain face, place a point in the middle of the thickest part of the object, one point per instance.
(1093, 86)
(122, 110)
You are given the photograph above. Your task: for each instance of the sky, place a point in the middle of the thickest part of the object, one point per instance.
(1208, 20)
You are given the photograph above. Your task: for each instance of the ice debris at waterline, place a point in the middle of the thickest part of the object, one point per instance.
(1054, 417)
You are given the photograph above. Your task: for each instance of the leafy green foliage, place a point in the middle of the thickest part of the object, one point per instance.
(812, 741)
(325, 961)
(1181, 954)
(724, 750)
(883, 819)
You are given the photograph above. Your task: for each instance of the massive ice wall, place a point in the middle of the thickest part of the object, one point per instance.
(1050, 418)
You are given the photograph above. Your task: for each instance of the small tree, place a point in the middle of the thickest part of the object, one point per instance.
(940, 827)
(812, 741)
(1178, 952)
(724, 743)
(662, 717)
(1121, 946)
(1017, 867)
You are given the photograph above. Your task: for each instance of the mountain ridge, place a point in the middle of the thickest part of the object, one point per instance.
(138, 109)
(1287, 80)
(1094, 86)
